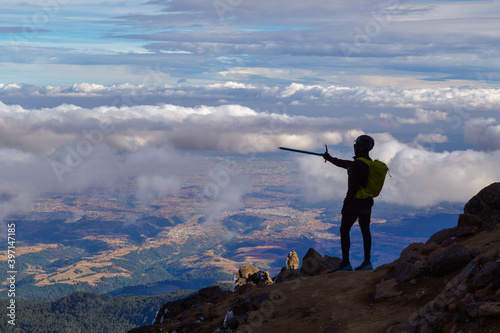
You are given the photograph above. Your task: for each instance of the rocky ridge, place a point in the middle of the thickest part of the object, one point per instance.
(451, 283)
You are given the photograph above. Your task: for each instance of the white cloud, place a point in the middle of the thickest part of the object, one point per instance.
(23, 177)
(424, 117)
(424, 178)
(431, 138)
(157, 187)
(224, 190)
(157, 172)
(484, 133)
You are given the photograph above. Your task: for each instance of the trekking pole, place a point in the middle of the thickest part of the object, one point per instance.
(304, 151)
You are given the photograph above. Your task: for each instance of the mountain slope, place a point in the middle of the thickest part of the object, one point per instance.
(449, 284)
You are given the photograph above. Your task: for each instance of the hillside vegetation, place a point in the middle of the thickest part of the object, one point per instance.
(86, 313)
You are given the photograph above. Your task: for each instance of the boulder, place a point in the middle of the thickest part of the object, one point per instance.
(412, 253)
(230, 321)
(332, 262)
(442, 235)
(250, 309)
(260, 278)
(291, 270)
(287, 275)
(243, 306)
(490, 309)
(313, 263)
(483, 309)
(170, 310)
(442, 262)
(448, 242)
(242, 275)
(292, 260)
(468, 220)
(483, 293)
(468, 225)
(386, 289)
(466, 231)
(446, 321)
(429, 248)
(403, 272)
(465, 303)
(486, 206)
(413, 248)
(250, 274)
(490, 272)
(246, 271)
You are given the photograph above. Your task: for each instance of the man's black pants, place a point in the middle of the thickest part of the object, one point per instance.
(349, 217)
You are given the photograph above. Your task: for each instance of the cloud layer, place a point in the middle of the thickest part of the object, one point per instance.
(239, 118)
(431, 102)
(70, 147)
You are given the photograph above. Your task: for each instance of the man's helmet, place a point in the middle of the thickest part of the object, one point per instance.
(365, 141)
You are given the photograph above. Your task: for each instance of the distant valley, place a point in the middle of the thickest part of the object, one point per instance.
(116, 244)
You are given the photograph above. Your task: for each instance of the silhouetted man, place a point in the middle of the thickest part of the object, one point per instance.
(355, 208)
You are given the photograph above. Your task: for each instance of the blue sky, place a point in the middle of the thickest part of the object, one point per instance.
(128, 81)
(397, 43)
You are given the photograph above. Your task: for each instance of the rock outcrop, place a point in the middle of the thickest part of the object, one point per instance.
(292, 260)
(486, 206)
(189, 314)
(251, 275)
(471, 297)
(314, 263)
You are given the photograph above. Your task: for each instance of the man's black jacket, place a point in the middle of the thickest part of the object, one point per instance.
(357, 172)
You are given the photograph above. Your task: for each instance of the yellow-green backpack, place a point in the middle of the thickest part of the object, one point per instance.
(377, 170)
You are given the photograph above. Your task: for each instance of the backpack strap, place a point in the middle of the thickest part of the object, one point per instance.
(367, 161)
